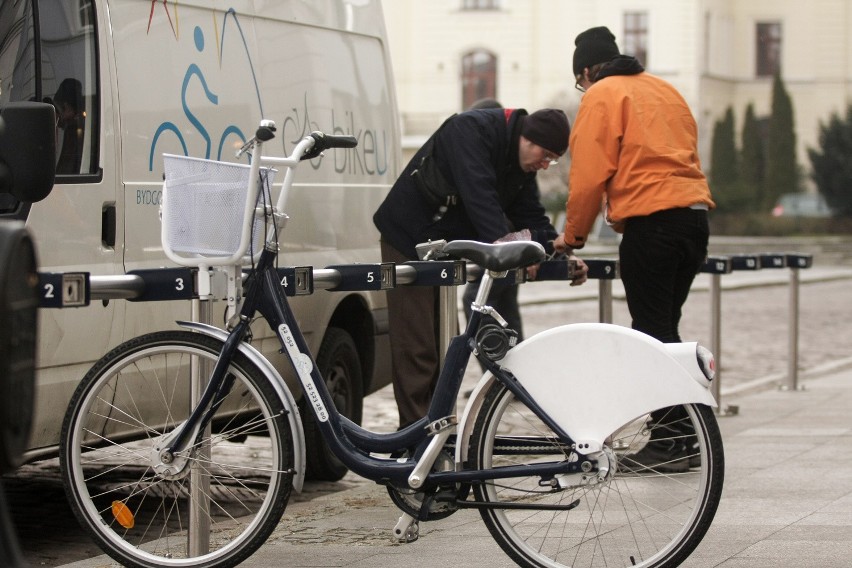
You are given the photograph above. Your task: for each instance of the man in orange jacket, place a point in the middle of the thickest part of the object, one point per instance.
(634, 149)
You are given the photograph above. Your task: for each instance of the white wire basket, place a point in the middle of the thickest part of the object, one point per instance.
(209, 211)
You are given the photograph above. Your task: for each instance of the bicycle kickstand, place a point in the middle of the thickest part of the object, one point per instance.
(407, 529)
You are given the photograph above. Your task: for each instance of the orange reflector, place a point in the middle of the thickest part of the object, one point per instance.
(122, 514)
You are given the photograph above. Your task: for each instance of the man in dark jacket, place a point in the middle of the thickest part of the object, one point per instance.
(472, 178)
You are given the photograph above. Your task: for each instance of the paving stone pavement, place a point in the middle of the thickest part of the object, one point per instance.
(788, 491)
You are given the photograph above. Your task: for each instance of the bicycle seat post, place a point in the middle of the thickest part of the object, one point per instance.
(480, 302)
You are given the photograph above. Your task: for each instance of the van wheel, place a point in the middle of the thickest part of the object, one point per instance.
(340, 366)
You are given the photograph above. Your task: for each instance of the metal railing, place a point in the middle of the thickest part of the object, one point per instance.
(78, 289)
(717, 266)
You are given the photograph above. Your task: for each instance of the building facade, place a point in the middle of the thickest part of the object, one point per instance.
(718, 53)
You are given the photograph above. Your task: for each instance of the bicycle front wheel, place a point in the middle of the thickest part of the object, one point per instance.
(650, 515)
(215, 503)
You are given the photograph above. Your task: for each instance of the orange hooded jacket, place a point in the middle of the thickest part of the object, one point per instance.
(634, 141)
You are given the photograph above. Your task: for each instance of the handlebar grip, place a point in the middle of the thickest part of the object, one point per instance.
(324, 141)
(339, 141)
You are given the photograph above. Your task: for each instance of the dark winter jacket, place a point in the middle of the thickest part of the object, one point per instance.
(476, 153)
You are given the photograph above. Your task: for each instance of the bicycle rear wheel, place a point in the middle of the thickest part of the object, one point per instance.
(641, 516)
(215, 504)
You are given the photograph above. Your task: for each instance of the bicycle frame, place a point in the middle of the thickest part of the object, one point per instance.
(352, 444)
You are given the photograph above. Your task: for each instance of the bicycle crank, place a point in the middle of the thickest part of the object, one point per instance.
(413, 503)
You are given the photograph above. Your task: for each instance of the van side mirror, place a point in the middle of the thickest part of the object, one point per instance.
(27, 150)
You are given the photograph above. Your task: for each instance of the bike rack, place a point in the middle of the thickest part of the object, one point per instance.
(716, 266)
(77, 289)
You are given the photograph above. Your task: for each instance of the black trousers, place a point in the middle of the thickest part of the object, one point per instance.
(660, 254)
(415, 354)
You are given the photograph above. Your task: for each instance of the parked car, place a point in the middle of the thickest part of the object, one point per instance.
(801, 205)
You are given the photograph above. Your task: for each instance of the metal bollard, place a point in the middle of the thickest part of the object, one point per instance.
(605, 271)
(448, 323)
(796, 262)
(716, 266)
(198, 531)
(447, 275)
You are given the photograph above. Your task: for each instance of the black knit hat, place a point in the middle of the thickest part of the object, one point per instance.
(548, 128)
(593, 46)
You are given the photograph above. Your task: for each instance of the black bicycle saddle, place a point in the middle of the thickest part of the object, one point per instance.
(497, 256)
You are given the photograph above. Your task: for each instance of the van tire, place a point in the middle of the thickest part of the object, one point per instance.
(340, 366)
(18, 305)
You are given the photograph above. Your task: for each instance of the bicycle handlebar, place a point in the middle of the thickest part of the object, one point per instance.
(321, 141)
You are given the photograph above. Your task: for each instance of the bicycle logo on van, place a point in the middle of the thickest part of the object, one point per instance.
(370, 157)
(195, 74)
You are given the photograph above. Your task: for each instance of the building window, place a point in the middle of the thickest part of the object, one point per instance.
(480, 4)
(768, 48)
(479, 77)
(636, 36)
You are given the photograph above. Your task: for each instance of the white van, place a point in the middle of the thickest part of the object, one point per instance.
(133, 79)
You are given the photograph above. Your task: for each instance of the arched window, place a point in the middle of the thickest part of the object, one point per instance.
(479, 76)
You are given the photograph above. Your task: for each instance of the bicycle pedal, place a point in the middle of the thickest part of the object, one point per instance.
(407, 529)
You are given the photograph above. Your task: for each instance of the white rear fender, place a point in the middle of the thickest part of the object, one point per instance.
(594, 378)
(280, 387)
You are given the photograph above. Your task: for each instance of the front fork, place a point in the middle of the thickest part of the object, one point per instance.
(170, 456)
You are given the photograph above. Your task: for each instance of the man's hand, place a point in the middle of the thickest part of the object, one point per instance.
(560, 246)
(532, 271)
(581, 271)
(578, 276)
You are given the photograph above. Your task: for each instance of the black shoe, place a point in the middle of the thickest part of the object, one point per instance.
(659, 457)
(694, 455)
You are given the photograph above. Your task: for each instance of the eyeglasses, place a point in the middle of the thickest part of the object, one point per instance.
(579, 87)
(549, 159)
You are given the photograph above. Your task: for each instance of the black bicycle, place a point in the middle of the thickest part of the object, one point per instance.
(181, 448)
